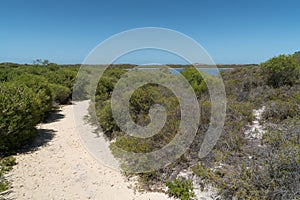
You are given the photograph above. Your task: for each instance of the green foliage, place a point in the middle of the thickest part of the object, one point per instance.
(281, 70)
(195, 79)
(102, 100)
(278, 110)
(60, 93)
(242, 83)
(81, 88)
(201, 171)
(244, 168)
(140, 103)
(41, 61)
(18, 116)
(239, 167)
(105, 118)
(6, 165)
(27, 94)
(42, 93)
(181, 189)
(63, 76)
(4, 184)
(232, 140)
(272, 172)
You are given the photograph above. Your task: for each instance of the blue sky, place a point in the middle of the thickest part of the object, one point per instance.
(65, 31)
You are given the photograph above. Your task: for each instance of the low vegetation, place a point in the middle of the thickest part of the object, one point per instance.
(6, 165)
(28, 93)
(181, 189)
(240, 166)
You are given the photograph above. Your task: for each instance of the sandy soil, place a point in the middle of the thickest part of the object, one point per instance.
(256, 130)
(58, 166)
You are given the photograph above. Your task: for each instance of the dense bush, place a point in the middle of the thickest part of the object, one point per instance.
(102, 101)
(42, 93)
(281, 70)
(195, 79)
(19, 115)
(64, 76)
(140, 103)
(81, 89)
(27, 94)
(60, 93)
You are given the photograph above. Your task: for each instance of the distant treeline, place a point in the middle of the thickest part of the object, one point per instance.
(129, 66)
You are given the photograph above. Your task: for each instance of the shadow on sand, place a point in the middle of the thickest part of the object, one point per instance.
(44, 136)
(42, 139)
(54, 117)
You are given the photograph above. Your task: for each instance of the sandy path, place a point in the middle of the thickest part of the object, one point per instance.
(61, 168)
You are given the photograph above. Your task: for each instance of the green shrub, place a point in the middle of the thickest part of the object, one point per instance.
(105, 118)
(194, 77)
(18, 116)
(63, 76)
(278, 110)
(242, 83)
(201, 171)
(84, 80)
(42, 93)
(281, 70)
(181, 189)
(60, 93)
(271, 172)
(6, 165)
(238, 166)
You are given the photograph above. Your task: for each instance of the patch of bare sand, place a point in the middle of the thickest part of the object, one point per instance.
(58, 166)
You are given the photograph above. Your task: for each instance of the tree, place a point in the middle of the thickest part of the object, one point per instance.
(45, 62)
(41, 62)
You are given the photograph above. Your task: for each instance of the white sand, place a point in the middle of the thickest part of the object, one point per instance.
(256, 130)
(64, 169)
(209, 192)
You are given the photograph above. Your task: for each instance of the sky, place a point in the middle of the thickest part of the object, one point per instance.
(66, 31)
